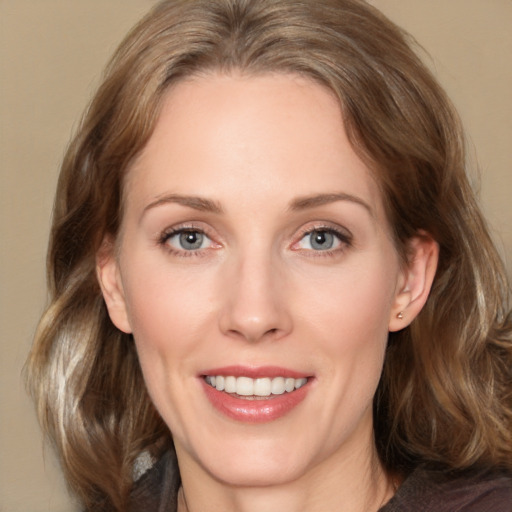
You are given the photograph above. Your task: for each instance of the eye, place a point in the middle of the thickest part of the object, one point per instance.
(187, 240)
(322, 240)
(319, 240)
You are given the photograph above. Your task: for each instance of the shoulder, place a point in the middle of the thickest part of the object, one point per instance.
(436, 491)
(157, 487)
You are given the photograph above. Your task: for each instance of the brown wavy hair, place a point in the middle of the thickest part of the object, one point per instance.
(445, 397)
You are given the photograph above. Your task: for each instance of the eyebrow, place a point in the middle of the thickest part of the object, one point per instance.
(195, 202)
(313, 201)
(301, 203)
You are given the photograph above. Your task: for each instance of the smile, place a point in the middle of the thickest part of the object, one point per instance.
(255, 395)
(254, 388)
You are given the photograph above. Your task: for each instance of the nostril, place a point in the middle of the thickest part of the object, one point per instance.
(255, 336)
(254, 320)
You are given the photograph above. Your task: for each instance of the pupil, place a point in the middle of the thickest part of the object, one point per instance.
(320, 238)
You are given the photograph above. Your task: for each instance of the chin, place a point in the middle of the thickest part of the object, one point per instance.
(255, 473)
(254, 463)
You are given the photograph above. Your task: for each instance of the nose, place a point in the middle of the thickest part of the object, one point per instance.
(254, 306)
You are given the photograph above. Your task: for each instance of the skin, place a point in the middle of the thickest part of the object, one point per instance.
(258, 293)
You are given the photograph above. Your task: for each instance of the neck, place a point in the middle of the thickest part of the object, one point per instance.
(267, 502)
(356, 483)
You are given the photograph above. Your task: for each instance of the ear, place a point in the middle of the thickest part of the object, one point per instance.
(109, 278)
(415, 281)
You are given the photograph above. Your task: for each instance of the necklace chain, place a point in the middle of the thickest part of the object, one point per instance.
(393, 482)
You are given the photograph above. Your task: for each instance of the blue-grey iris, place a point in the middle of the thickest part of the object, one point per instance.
(191, 240)
(321, 240)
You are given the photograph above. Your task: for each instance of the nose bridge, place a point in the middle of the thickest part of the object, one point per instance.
(254, 305)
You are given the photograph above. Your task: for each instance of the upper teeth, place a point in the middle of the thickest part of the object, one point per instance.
(245, 386)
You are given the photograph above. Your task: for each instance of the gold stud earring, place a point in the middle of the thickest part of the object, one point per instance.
(400, 315)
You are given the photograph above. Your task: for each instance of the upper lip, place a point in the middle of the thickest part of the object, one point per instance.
(255, 372)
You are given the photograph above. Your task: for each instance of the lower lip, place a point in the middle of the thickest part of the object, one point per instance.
(258, 410)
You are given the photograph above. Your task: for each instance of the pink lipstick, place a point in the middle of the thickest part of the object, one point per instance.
(255, 394)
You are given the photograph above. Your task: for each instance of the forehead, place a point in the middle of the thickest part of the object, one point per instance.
(278, 135)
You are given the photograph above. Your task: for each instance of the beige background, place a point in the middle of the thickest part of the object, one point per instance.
(52, 53)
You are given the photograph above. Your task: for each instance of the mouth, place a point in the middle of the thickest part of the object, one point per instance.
(255, 389)
(255, 395)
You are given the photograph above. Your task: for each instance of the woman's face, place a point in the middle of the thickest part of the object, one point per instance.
(255, 255)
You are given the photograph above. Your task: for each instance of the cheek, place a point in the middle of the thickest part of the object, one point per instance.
(356, 349)
(163, 316)
(354, 301)
(172, 315)
(351, 313)
(165, 306)
(167, 317)
(355, 335)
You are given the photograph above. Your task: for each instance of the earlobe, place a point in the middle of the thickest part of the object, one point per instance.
(109, 278)
(416, 281)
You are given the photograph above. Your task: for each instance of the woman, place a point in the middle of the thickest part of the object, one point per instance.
(271, 286)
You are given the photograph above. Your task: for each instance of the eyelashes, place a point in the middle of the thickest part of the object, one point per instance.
(316, 240)
(324, 240)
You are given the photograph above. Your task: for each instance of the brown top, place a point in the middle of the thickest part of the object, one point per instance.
(431, 491)
(422, 491)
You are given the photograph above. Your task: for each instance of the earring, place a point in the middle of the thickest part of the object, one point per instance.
(400, 315)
